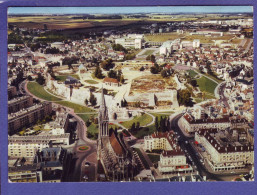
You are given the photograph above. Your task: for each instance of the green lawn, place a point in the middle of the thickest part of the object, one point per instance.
(192, 73)
(154, 157)
(162, 114)
(206, 85)
(77, 108)
(143, 120)
(63, 77)
(91, 81)
(144, 132)
(92, 130)
(148, 52)
(213, 77)
(39, 91)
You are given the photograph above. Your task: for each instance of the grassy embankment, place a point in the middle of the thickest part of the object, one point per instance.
(39, 91)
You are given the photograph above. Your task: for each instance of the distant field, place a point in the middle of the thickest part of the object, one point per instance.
(39, 91)
(204, 39)
(143, 120)
(66, 22)
(77, 108)
(162, 37)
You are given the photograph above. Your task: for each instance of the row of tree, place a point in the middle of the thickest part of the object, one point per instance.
(116, 75)
(163, 124)
(52, 50)
(107, 64)
(119, 47)
(135, 127)
(92, 100)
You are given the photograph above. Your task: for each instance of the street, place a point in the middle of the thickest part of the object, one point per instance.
(186, 146)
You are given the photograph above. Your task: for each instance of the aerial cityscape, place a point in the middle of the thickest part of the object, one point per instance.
(130, 94)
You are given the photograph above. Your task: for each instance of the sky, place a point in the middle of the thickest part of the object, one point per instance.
(126, 10)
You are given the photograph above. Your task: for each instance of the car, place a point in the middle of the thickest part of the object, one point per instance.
(87, 164)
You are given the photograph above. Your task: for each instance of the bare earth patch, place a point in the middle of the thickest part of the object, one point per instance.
(152, 83)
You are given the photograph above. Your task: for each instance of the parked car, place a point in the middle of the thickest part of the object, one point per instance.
(85, 177)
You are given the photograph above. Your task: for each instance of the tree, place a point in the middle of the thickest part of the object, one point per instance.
(52, 51)
(112, 74)
(88, 123)
(184, 97)
(130, 56)
(107, 64)
(92, 99)
(168, 124)
(138, 126)
(118, 47)
(156, 123)
(115, 116)
(133, 127)
(162, 125)
(98, 72)
(142, 68)
(151, 58)
(193, 82)
(122, 80)
(40, 79)
(154, 70)
(30, 78)
(70, 60)
(10, 73)
(105, 91)
(164, 73)
(124, 103)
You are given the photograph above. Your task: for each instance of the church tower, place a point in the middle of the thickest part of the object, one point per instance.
(103, 119)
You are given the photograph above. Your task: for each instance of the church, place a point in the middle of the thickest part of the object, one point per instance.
(115, 158)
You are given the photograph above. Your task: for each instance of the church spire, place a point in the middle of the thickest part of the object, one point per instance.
(103, 105)
(103, 118)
